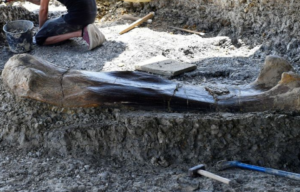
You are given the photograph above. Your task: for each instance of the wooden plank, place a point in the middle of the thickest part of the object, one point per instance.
(164, 66)
(138, 22)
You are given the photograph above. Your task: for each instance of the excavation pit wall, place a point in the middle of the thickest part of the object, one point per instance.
(272, 25)
(159, 138)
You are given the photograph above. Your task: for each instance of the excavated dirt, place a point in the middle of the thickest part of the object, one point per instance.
(45, 148)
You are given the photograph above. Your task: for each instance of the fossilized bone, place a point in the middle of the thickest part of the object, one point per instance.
(276, 88)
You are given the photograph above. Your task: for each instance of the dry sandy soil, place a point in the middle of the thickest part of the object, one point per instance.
(218, 60)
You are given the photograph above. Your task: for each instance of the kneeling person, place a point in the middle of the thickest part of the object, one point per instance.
(78, 22)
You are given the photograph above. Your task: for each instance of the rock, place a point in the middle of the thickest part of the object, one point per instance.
(272, 71)
(214, 130)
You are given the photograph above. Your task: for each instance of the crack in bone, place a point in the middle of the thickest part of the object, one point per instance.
(178, 85)
(62, 87)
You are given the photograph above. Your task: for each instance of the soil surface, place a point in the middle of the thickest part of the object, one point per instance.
(36, 172)
(219, 60)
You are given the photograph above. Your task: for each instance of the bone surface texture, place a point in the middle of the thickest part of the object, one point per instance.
(276, 88)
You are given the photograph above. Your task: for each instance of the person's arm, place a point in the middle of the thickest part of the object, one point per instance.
(43, 13)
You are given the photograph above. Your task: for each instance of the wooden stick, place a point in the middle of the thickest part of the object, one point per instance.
(189, 31)
(132, 18)
(214, 176)
(137, 23)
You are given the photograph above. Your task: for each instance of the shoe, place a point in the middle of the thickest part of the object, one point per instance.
(93, 36)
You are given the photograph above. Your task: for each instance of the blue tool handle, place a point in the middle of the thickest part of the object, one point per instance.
(267, 170)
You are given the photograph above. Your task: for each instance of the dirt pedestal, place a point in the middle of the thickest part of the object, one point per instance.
(163, 138)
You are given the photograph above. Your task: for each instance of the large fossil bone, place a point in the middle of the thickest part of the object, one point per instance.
(276, 88)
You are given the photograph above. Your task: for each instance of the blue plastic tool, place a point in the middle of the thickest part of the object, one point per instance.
(231, 164)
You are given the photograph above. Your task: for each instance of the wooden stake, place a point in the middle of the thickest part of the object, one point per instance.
(189, 31)
(137, 23)
(132, 18)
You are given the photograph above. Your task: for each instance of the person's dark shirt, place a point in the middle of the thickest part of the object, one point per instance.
(80, 12)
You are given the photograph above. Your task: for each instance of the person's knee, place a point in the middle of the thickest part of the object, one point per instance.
(40, 39)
